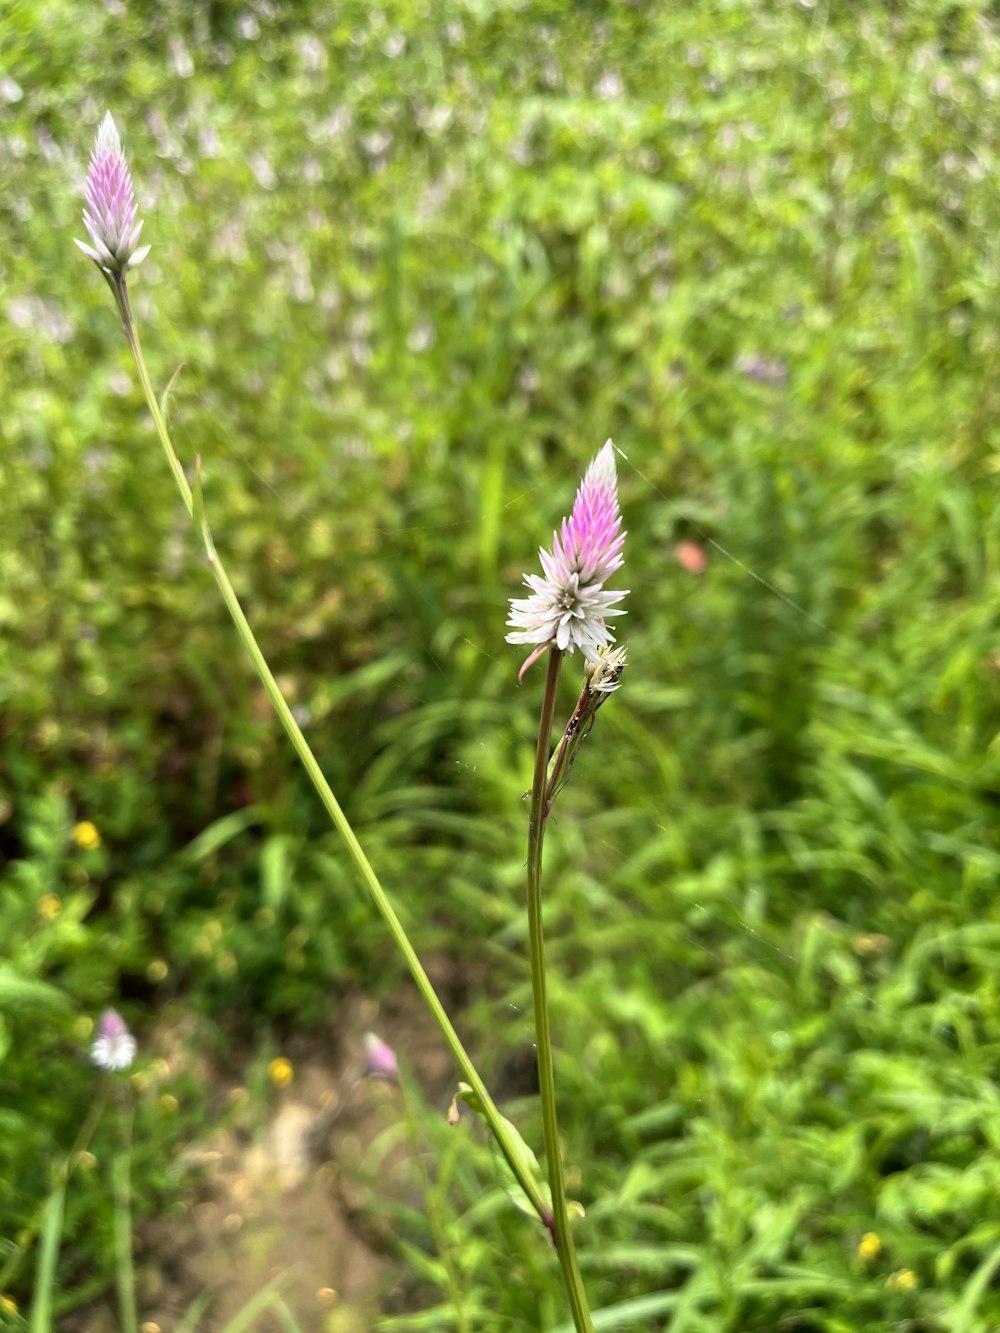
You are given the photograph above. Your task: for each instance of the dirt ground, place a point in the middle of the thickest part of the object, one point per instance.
(281, 1197)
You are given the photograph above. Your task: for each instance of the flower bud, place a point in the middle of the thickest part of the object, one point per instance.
(110, 215)
(380, 1056)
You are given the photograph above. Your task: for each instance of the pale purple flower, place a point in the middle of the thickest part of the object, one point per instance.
(380, 1056)
(763, 369)
(111, 210)
(569, 605)
(114, 1046)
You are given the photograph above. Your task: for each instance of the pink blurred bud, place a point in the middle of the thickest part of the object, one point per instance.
(453, 1112)
(381, 1057)
(690, 556)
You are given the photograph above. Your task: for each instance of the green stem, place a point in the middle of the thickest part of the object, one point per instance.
(434, 1219)
(325, 792)
(48, 1260)
(543, 1036)
(124, 1270)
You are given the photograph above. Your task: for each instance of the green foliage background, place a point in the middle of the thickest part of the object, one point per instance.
(419, 261)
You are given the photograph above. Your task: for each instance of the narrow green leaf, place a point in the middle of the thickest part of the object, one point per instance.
(15, 989)
(41, 1305)
(216, 836)
(194, 1312)
(629, 1314)
(198, 511)
(275, 871)
(168, 394)
(256, 1305)
(973, 1292)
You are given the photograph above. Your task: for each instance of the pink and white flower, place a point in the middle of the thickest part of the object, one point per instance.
(569, 605)
(110, 215)
(114, 1046)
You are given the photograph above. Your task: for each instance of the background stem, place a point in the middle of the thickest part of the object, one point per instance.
(121, 1173)
(543, 1037)
(435, 1221)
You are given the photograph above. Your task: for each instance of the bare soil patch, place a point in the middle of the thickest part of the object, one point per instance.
(278, 1194)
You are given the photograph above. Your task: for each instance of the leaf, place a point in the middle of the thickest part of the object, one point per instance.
(198, 512)
(244, 1318)
(216, 835)
(15, 989)
(629, 1314)
(961, 1317)
(523, 1152)
(41, 1305)
(168, 394)
(275, 872)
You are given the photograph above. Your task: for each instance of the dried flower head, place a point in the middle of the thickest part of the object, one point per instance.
(380, 1056)
(110, 215)
(568, 606)
(114, 1046)
(601, 678)
(604, 675)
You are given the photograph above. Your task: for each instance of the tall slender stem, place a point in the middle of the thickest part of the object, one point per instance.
(121, 1175)
(435, 1221)
(330, 803)
(543, 1036)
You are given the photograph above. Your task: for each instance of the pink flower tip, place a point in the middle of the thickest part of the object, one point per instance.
(110, 215)
(569, 605)
(380, 1056)
(114, 1046)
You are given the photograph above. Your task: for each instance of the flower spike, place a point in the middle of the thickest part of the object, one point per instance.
(569, 606)
(110, 215)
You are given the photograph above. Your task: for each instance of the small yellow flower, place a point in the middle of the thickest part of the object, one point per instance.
(8, 1305)
(157, 970)
(49, 906)
(86, 836)
(168, 1102)
(149, 1327)
(904, 1280)
(870, 1245)
(280, 1072)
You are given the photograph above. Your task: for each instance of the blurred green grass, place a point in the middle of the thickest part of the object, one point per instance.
(418, 262)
